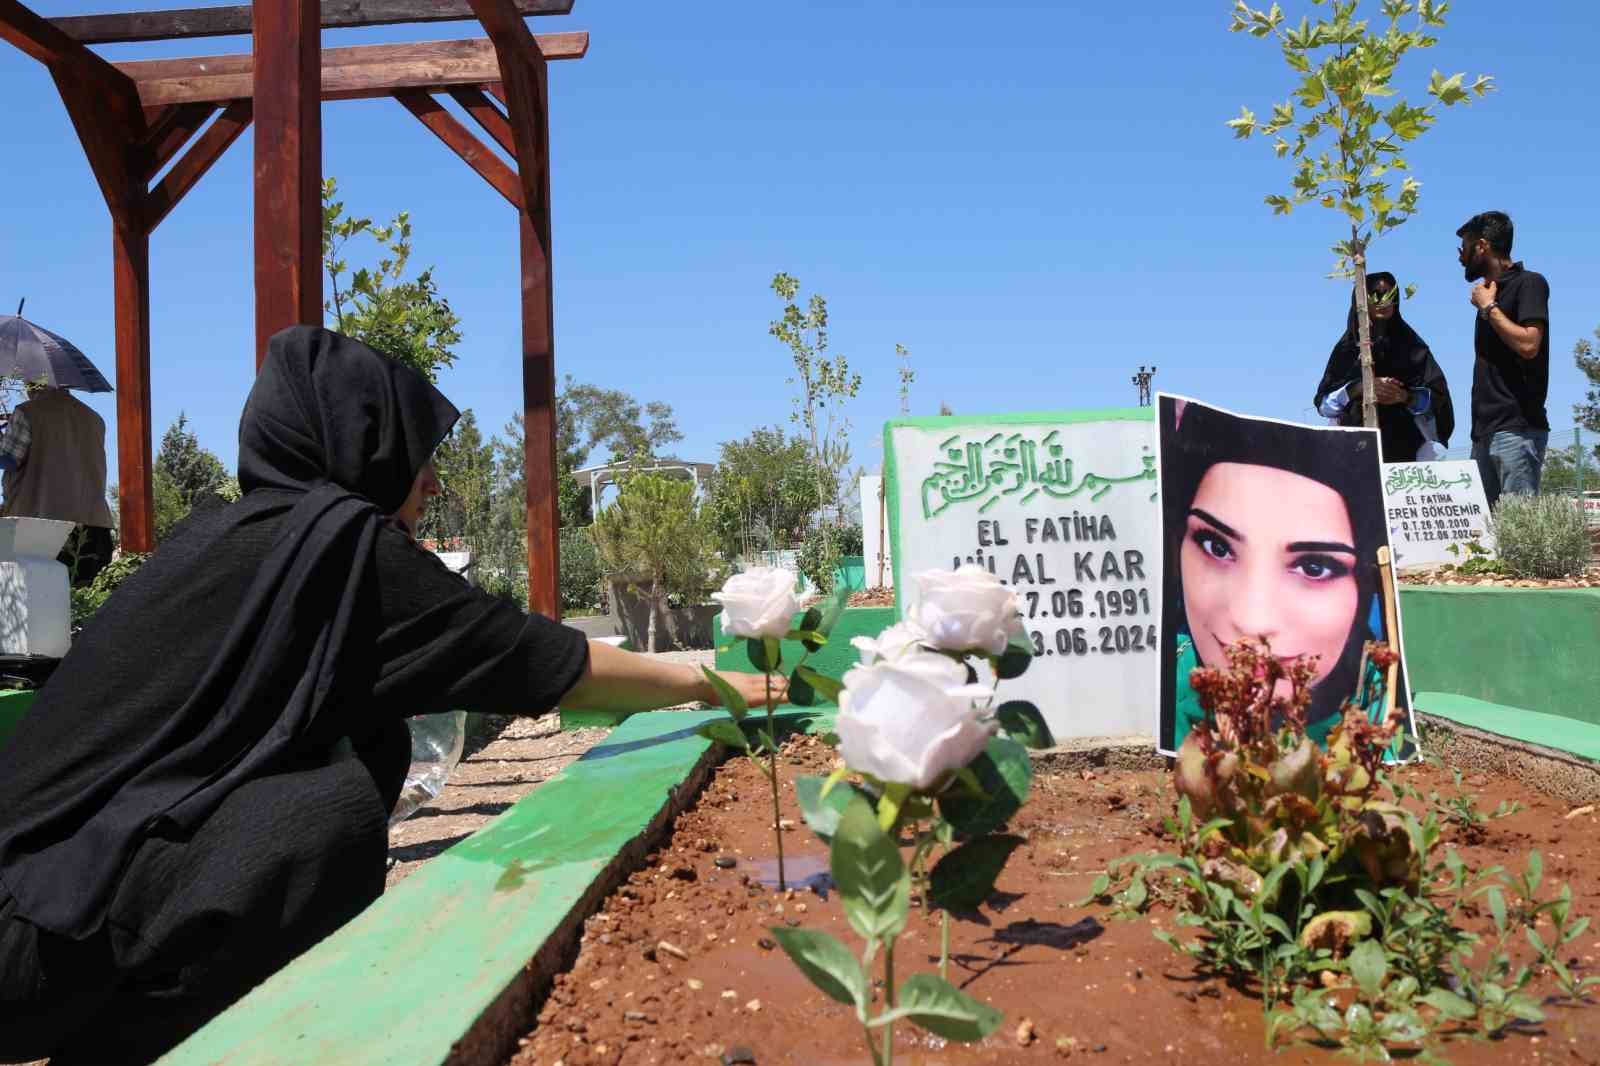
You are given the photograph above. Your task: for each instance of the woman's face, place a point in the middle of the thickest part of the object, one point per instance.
(1268, 554)
(424, 488)
(1382, 300)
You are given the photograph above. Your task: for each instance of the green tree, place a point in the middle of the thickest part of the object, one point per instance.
(466, 466)
(407, 320)
(763, 495)
(654, 538)
(1588, 360)
(1342, 146)
(193, 471)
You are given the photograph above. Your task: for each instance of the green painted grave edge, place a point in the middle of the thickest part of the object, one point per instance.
(1554, 732)
(399, 983)
(891, 461)
(14, 703)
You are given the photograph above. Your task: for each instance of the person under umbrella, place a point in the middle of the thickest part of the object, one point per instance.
(53, 451)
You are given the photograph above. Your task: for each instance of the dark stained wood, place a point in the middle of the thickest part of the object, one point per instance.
(226, 21)
(170, 131)
(348, 73)
(487, 115)
(459, 139)
(288, 168)
(205, 151)
(34, 35)
(130, 261)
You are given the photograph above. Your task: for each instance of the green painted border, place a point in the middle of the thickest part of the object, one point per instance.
(438, 969)
(14, 703)
(1552, 731)
(891, 461)
(832, 659)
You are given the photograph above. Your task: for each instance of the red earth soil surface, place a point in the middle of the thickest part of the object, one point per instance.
(1074, 983)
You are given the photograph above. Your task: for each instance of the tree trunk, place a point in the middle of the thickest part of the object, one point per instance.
(655, 612)
(1369, 402)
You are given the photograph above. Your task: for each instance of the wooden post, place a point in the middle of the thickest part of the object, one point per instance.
(288, 149)
(130, 262)
(539, 360)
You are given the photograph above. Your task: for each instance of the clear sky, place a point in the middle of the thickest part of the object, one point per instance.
(1033, 197)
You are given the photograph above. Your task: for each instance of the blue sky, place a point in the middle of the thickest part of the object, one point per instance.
(1033, 197)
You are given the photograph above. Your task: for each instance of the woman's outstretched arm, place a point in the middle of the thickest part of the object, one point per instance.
(617, 680)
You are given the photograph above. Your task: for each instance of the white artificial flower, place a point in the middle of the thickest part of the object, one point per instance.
(760, 602)
(966, 610)
(911, 719)
(900, 639)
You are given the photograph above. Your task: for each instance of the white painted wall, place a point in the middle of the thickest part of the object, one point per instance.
(873, 520)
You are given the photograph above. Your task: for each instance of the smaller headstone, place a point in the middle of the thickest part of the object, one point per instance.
(35, 600)
(1434, 511)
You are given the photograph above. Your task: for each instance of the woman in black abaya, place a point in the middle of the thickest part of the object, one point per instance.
(1415, 416)
(201, 790)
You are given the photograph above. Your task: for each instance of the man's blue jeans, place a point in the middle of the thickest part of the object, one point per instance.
(1510, 462)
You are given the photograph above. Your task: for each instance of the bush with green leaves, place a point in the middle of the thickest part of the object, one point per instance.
(1541, 536)
(91, 597)
(580, 571)
(824, 550)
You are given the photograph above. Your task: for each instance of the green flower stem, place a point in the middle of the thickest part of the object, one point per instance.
(888, 999)
(772, 777)
(944, 945)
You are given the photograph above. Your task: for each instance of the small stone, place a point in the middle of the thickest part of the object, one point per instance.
(635, 1016)
(1065, 1046)
(725, 862)
(676, 952)
(738, 1056)
(1025, 1033)
(695, 984)
(753, 1006)
(785, 824)
(728, 993)
(792, 923)
(799, 908)
(598, 985)
(1099, 1047)
(766, 943)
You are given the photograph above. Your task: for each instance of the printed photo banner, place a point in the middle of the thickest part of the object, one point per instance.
(1269, 529)
(1062, 507)
(1435, 512)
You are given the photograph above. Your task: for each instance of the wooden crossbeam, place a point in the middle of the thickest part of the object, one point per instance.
(459, 139)
(200, 157)
(487, 115)
(169, 132)
(228, 21)
(347, 73)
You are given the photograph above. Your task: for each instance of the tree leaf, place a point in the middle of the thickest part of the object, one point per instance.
(874, 884)
(1368, 965)
(724, 731)
(1023, 723)
(826, 962)
(731, 699)
(934, 1004)
(965, 877)
(1004, 773)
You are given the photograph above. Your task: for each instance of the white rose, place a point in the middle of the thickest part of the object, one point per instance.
(760, 602)
(911, 719)
(894, 642)
(966, 610)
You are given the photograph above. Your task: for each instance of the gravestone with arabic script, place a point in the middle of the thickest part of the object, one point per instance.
(1063, 508)
(1433, 508)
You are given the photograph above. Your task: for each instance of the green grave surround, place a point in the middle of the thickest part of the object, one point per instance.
(439, 968)
(14, 703)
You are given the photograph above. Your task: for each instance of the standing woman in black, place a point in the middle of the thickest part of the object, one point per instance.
(201, 790)
(1415, 416)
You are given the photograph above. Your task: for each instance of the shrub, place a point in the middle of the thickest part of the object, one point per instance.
(89, 599)
(580, 570)
(1541, 536)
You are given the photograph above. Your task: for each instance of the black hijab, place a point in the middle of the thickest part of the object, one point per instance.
(1399, 353)
(1345, 462)
(116, 748)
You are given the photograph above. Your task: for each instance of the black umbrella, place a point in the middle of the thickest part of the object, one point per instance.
(33, 353)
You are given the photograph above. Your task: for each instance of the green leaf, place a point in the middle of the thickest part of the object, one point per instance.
(822, 806)
(827, 963)
(1023, 723)
(1368, 965)
(1004, 773)
(1452, 1006)
(825, 686)
(1535, 872)
(874, 885)
(890, 802)
(934, 1004)
(801, 693)
(832, 610)
(1244, 125)
(1015, 660)
(731, 699)
(765, 655)
(724, 731)
(965, 877)
(1497, 908)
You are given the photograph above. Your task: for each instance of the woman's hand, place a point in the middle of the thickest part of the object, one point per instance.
(617, 680)
(753, 687)
(1390, 391)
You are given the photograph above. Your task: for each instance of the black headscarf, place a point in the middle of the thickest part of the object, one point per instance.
(1399, 353)
(331, 438)
(1345, 462)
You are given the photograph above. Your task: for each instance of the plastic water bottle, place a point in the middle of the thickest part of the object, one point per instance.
(436, 742)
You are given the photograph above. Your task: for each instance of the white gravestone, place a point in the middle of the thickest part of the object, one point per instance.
(1063, 508)
(1433, 507)
(35, 601)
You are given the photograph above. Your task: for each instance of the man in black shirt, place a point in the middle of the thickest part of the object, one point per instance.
(1512, 373)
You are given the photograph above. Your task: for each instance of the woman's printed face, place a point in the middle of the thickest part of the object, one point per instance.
(1268, 554)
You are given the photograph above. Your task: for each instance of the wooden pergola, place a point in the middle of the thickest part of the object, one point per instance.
(133, 119)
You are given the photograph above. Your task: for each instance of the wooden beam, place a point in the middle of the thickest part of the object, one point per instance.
(217, 139)
(459, 139)
(34, 35)
(488, 115)
(226, 21)
(288, 164)
(347, 73)
(130, 261)
(169, 132)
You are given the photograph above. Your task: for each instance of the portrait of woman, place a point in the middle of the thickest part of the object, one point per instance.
(1271, 532)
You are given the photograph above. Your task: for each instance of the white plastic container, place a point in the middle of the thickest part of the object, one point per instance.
(436, 743)
(35, 600)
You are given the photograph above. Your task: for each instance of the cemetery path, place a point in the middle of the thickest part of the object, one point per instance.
(527, 753)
